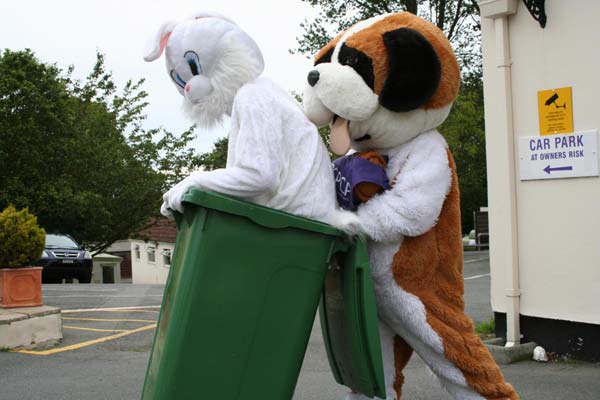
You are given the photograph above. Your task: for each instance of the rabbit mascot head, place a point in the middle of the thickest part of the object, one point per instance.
(209, 58)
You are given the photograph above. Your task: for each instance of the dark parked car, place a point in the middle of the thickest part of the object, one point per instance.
(64, 258)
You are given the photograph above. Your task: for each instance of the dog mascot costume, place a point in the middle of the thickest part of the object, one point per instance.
(384, 85)
(276, 157)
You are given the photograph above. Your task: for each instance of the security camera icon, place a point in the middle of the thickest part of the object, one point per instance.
(552, 100)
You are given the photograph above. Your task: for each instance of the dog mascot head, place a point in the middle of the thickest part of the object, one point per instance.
(382, 82)
(209, 58)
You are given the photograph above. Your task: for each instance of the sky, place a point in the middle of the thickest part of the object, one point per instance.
(70, 32)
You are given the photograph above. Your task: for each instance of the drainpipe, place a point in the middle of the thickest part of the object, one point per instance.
(499, 11)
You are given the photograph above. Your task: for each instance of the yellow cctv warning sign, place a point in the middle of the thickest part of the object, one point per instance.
(555, 108)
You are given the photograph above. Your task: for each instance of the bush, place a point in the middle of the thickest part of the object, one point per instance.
(21, 239)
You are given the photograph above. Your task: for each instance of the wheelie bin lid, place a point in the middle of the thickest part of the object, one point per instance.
(264, 216)
(350, 325)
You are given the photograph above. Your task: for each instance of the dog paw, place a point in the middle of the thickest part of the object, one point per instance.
(347, 222)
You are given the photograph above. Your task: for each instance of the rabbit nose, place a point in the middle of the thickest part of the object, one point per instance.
(313, 77)
(187, 87)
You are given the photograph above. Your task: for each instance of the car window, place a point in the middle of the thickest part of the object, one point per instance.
(60, 241)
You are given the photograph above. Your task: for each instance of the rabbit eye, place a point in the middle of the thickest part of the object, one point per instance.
(194, 62)
(177, 79)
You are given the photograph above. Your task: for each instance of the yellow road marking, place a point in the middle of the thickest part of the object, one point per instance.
(157, 308)
(79, 328)
(120, 311)
(108, 319)
(88, 343)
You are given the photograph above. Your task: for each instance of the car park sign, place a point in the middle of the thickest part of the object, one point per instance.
(559, 156)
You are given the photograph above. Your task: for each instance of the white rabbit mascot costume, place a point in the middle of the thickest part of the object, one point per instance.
(275, 157)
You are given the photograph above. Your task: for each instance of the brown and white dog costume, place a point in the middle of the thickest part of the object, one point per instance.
(385, 84)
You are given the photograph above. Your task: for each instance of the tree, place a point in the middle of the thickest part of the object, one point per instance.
(76, 153)
(217, 157)
(458, 19)
(464, 128)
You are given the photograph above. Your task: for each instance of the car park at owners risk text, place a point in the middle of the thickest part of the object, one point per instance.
(559, 156)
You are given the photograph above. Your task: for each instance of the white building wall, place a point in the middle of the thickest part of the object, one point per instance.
(558, 220)
(119, 245)
(143, 270)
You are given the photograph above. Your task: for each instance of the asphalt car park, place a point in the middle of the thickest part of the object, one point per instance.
(83, 328)
(108, 333)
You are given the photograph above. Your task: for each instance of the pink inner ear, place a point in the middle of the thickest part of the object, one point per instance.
(163, 41)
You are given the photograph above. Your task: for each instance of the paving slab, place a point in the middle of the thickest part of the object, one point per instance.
(29, 326)
(7, 317)
(35, 311)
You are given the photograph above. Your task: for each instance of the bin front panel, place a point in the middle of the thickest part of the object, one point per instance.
(238, 309)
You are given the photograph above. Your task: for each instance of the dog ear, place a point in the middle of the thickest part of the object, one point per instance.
(156, 45)
(414, 70)
(325, 58)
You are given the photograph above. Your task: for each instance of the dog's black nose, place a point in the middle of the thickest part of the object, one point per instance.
(313, 77)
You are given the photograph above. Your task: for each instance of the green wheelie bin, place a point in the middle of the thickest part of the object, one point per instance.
(240, 302)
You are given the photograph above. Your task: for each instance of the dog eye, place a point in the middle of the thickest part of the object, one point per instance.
(177, 79)
(359, 61)
(193, 61)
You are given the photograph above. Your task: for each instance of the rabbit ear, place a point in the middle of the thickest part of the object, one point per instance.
(210, 14)
(156, 45)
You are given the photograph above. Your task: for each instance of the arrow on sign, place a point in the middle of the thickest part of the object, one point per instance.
(548, 169)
